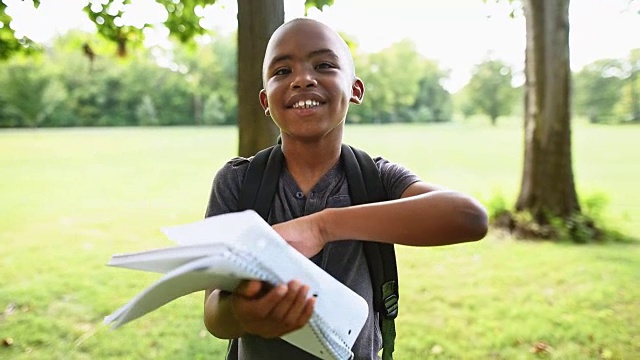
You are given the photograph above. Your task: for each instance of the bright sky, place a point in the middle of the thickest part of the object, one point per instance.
(456, 33)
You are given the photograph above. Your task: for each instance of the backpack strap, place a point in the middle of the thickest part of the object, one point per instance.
(261, 181)
(365, 186)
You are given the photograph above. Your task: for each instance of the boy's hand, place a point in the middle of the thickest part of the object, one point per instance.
(269, 311)
(303, 233)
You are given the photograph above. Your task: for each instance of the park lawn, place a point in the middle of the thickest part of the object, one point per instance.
(71, 198)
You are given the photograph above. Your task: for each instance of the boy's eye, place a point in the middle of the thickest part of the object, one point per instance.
(324, 65)
(281, 71)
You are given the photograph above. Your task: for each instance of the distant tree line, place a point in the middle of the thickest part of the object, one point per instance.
(608, 90)
(605, 91)
(76, 82)
(401, 86)
(71, 84)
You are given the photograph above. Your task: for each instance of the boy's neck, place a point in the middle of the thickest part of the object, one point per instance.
(308, 162)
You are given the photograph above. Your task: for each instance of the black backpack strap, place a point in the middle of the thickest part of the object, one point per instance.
(261, 181)
(365, 186)
(257, 191)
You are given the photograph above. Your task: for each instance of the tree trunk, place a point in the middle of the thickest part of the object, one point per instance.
(547, 187)
(198, 107)
(635, 99)
(257, 20)
(634, 63)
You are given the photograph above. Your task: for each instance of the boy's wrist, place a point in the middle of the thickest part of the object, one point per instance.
(327, 225)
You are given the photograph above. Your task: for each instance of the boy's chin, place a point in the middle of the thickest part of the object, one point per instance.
(325, 135)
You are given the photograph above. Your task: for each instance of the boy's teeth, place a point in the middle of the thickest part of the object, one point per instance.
(306, 104)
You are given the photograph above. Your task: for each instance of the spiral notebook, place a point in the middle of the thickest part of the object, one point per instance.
(219, 252)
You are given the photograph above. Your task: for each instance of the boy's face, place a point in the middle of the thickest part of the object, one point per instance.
(309, 80)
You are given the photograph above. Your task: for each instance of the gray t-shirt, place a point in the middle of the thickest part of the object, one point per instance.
(344, 260)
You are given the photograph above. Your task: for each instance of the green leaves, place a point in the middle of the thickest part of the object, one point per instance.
(9, 45)
(107, 15)
(319, 4)
(182, 21)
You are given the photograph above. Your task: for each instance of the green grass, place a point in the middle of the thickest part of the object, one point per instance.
(72, 198)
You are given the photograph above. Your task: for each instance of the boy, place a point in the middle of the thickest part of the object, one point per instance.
(309, 80)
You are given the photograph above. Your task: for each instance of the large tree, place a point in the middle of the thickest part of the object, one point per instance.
(547, 188)
(257, 20)
(632, 78)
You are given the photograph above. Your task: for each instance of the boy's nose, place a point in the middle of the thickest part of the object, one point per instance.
(303, 80)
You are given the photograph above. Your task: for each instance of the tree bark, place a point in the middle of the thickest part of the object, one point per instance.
(634, 62)
(547, 187)
(198, 107)
(635, 99)
(257, 20)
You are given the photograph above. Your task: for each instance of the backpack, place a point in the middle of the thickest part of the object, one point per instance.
(365, 186)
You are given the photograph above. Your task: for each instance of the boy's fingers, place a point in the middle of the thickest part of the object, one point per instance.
(288, 301)
(283, 309)
(308, 310)
(295, 316)
(248, 288)
(285, 304)
(260, 306)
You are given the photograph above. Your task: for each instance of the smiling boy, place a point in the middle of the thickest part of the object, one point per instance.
(309, 82)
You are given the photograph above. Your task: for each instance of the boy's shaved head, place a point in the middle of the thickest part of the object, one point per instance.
(309, 81)
(289, 29)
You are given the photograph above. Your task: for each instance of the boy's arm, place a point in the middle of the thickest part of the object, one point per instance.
(425, 215)
(257, 308)
(218, 318)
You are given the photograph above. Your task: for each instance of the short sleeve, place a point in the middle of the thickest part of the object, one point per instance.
(395, 177)
(226, 187)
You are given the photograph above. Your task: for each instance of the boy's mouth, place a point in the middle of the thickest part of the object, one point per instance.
(305, 104)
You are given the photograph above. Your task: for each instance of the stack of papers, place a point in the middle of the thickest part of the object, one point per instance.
(219, 252)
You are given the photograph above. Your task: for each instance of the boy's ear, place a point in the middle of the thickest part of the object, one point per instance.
(357, 91)
(264, 102)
